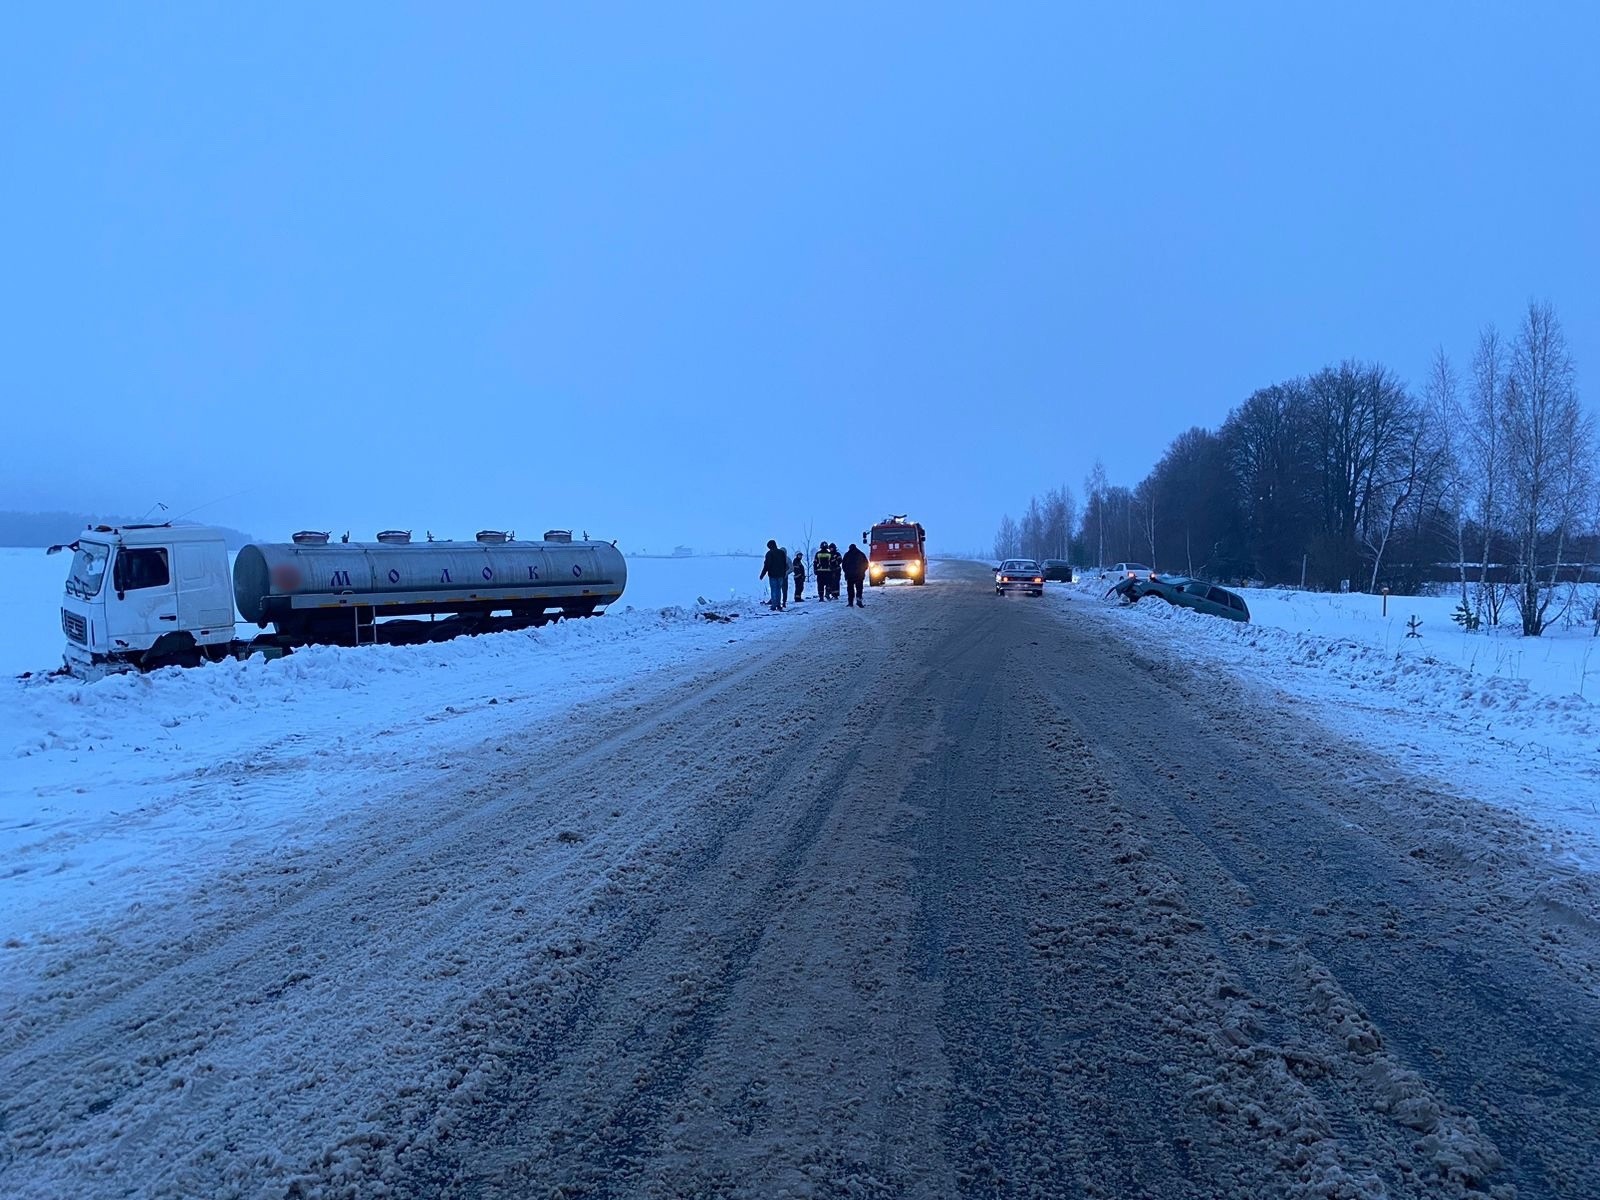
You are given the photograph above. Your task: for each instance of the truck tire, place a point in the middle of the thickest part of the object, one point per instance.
(171, 650)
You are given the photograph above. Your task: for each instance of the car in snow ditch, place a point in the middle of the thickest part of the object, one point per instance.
(1019, 575)
(1183, 592)
(1056, 570)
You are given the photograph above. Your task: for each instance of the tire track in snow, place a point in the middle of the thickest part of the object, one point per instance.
(402, 894)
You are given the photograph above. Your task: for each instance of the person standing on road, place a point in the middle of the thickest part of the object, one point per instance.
(834, 567)
(798, 569)
(820, 565)
(855, 573)
(785, 574)
(775, 570)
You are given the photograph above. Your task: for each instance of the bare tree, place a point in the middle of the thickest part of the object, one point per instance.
(1268, 448)
(1483, 452)
(1441, 394)
(1069, 519)
(1008, 539)
(1548, 451)
(1094, 500)
(1058, 513)
(1144, 503)
(1360, 420)
(807, 532)
(1414, 469)
(1033, 530)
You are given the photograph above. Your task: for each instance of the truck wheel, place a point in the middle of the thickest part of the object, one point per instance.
(918, 581)
(171, 650)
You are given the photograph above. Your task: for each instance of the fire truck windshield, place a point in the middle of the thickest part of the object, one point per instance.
(908, 536)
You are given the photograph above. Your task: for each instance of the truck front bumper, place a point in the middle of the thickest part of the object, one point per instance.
(880, 571)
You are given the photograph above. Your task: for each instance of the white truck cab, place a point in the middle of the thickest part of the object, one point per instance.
(146, 596)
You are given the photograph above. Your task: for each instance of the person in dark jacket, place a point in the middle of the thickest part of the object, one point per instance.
(775, 570)
(798, 569)
(855, 573)
(834, 567)
(822, 567)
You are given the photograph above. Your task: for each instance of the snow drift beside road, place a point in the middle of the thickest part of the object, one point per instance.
(133, 787)
(1495, 717)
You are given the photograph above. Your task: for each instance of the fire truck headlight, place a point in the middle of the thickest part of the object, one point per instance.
(914, 569)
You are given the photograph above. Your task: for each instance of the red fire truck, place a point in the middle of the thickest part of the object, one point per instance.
(896, 549)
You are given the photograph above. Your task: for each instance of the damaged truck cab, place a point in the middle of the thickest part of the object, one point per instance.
(147, 596)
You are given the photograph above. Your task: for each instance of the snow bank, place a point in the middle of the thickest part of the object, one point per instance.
(125, 790)
(1498, 717)
(1565, 660)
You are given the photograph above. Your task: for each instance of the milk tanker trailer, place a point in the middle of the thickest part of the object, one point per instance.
(148, 596)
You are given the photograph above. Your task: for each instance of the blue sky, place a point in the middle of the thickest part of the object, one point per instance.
(704, 273)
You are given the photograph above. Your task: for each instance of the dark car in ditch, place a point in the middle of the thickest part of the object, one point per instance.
(1183, 592)
(1057, 570)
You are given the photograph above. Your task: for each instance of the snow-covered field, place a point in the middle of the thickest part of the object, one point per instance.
(133, 787)
(1509, 720)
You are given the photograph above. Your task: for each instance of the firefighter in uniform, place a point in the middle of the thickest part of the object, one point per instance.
(820, 566)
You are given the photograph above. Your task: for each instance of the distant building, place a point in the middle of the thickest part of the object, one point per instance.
(682, 552)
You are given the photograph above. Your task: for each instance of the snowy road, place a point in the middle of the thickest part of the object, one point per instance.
(955, 896)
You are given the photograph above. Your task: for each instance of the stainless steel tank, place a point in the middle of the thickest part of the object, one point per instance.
(283, 583)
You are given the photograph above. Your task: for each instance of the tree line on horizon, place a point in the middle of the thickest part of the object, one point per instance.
(1346, 478)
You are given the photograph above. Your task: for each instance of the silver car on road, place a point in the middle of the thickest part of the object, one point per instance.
(1019, 575)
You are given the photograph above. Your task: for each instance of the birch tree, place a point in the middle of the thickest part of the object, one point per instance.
(1441, 395)
(1548, 442)
(1094, 500)
(1483, 453)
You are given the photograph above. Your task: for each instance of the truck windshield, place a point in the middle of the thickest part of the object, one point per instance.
(88, 570)
(906, 537)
